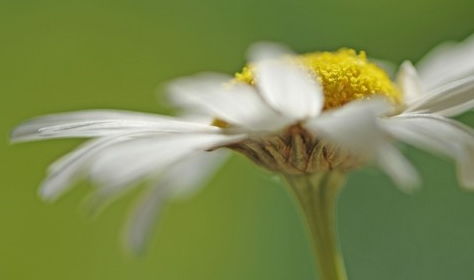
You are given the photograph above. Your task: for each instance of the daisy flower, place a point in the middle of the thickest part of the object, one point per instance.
(311, 118)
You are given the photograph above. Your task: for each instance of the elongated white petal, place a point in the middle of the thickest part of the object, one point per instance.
(192, 92)
(233, 102)
(288, 87)
(465, 168)
(94, 114)
(143, 218)
(452, 98)
(457, 110)
(438, 134)
(125, 163)
(33, 125)
(63, 173)
(104, 128)
(355, 128)
(446, 63)
(267, 51)
(117, 169)
(197, 168)
(100, 123)
(397, 167)
(183, 177)
(409, 82)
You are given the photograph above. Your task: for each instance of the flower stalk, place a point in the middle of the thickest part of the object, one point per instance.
(317, 196)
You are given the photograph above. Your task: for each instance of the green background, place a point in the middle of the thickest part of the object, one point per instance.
(68, 55)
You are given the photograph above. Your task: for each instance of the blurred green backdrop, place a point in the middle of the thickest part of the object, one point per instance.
(59, 55)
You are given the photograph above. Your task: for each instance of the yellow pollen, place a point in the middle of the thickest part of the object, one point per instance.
(220, 123)
(345, 76)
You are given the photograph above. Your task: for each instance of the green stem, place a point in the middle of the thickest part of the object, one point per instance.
(317, 195)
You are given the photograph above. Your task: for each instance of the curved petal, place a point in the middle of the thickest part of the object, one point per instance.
(233, 102)
(438, 134)
(181, 178)
(128, 162)
(355, 128)
(446, 63)
(191, 93)
(287, 86)
(96, 123)
(448, 100)
(63, 172)
(407, 79)
(397, 167)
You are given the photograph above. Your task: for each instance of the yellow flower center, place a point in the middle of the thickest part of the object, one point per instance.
(345, 76)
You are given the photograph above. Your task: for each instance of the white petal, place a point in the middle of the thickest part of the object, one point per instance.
(126, 163)
(457, 110)
(189, 92)
(63, 172)
(446, 63)
(397, 167)
(233, 102)
(197, 168)
(409, 83)
(438, 134)
(288, 87)
(184, 176)
(353, 126)
(33, 125)
(143, 218)
(266, 51)
(450, 99)
(465, 169)
(100, 123)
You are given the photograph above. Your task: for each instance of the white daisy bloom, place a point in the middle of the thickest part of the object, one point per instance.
(311, 118)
